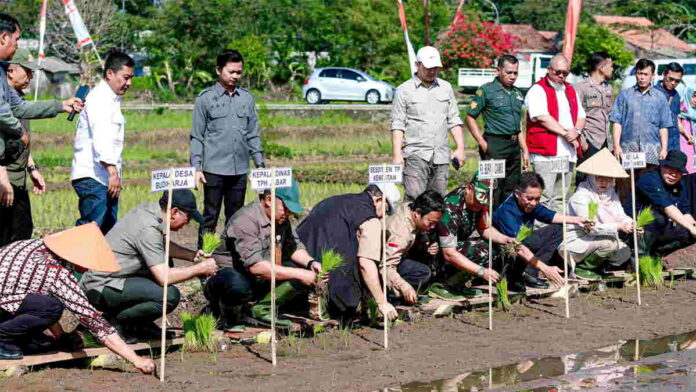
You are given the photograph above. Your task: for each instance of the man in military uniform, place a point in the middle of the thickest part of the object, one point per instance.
(224, 135)
(501, 103)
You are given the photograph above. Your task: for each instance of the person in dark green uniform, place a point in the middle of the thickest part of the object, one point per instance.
(500, 103)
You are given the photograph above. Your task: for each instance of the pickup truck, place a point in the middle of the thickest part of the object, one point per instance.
(532, 68)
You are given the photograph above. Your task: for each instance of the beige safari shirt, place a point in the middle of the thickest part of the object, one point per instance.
(401, 234)
(425, 114)
(370, 239)
(597, 100)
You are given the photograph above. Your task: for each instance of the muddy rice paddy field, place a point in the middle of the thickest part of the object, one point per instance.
(330, 154)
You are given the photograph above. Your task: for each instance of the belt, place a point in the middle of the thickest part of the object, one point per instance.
(509, 137)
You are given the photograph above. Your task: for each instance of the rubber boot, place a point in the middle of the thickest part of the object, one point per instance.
(261, 312)
(589, 267)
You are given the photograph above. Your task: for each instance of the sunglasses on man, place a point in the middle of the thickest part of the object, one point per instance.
(559, 72)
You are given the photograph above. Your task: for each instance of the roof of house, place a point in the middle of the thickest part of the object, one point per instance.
(530, 39)
(640, 32)
(55, 65)
(549, 35)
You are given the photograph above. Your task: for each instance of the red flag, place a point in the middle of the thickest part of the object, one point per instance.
(571, 28)
(409, 46)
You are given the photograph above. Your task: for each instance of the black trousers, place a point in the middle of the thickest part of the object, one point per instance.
(15, 221)
(219, 189)
(507, 148)
(139, 303)
(35, 314)
(663, 236)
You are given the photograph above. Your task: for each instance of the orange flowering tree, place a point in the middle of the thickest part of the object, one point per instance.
(470, 42)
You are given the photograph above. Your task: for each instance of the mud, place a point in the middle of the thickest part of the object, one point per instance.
(425, 350)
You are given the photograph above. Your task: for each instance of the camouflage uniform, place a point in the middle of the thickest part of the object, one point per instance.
(455, 229)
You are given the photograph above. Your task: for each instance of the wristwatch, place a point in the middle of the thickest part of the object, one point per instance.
(480, 272)
(309, 265)
(31, 168)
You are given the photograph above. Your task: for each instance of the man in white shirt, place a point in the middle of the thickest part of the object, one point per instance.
(555, 118)
(96, 166)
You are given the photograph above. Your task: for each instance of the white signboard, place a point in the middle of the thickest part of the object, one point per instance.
(491, 169)
(184, 178)
(386, 173)
(560, 165)
(261, 178)
(635, 160)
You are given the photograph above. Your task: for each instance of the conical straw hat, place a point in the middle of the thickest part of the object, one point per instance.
(603, 164)
(85, 246)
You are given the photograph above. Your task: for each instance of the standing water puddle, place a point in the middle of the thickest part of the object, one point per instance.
(663, 364)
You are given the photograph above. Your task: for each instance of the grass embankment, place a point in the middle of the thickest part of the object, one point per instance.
(329, 153)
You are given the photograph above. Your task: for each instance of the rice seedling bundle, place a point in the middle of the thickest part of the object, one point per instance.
(651, 271)
(330, 260)
(198, 331)
(645, 217)
(211, 241)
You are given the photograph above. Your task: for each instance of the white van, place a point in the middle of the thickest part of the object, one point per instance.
(689, 79)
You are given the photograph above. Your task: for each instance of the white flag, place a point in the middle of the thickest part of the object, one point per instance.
(81, 32)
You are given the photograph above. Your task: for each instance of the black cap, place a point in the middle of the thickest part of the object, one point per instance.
(675, 159)
(184, 200)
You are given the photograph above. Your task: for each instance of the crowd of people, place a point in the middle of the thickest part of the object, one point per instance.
(436, 239)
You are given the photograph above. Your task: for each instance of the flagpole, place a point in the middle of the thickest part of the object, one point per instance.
(42, 35)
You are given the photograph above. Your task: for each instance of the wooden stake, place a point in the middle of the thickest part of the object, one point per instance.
(635, 232)
(384, 259)
(490, 255)
(273, 270)
(565, 247)
(163, 346)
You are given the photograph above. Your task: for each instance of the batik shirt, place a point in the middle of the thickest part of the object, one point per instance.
(28, 267)
(458, 223)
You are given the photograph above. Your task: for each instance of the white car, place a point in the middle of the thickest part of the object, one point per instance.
(345, 84)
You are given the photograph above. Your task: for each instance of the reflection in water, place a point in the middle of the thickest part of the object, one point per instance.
(599, 369)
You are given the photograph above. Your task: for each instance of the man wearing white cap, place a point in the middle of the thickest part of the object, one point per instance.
(350, 225)
(424, 108)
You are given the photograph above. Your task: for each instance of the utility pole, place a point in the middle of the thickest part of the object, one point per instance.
(426, 22)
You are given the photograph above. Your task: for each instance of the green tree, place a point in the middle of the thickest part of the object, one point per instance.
(595, 38)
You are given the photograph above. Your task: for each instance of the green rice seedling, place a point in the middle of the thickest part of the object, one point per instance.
(198, 331)
(645, 217)
(592, 208)
(502, 301)
(372, 310)
(525, 231)
(330, 260)
(651, 271)
(211, 241)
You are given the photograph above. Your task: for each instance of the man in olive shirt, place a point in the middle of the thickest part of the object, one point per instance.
(247, 236)
(500, 103)
(225, 134)
(131, 298)
(424, 108)
(596, 97)
(15, 220)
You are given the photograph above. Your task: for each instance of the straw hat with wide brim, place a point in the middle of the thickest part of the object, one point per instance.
(85, 246)
(603, 164)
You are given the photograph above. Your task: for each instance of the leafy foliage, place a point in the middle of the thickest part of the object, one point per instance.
(473, 43)
(593, 38)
